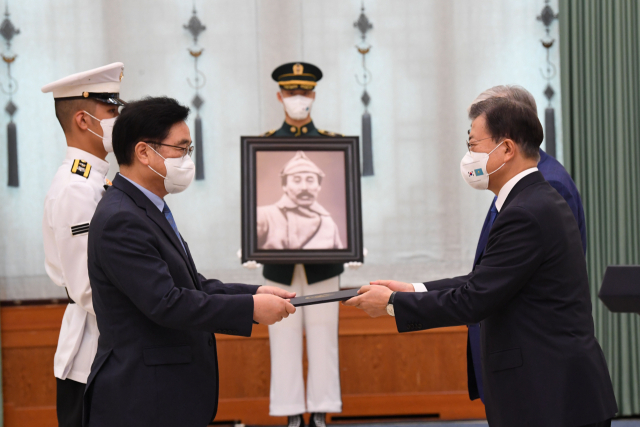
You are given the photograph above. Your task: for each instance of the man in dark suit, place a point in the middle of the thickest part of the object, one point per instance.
(156, 363)
(541, 363)
(558, 177)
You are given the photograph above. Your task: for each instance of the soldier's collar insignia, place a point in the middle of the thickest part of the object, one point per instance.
(80, 167)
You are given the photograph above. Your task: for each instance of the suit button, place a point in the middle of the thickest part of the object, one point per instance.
(211, 342)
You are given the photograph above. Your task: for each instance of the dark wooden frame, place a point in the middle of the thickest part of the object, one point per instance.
(347, 144)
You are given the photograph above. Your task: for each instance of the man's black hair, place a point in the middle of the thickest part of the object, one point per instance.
(506, 118)
(66, 109)
(149, 119)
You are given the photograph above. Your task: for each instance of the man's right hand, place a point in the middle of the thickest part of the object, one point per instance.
(394, 285)
(269, 309)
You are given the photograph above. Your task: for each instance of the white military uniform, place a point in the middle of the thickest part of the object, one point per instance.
(320, 323)
(77, 187)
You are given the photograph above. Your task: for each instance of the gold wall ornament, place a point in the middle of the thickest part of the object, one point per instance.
(196, 53)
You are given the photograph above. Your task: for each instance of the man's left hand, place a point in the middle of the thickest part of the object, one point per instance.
(275, 291)
(372, 299)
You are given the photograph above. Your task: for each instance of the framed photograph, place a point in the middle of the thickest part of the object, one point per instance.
(301, 200)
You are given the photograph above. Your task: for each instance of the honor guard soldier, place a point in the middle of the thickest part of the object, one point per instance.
(86, 105)
(297, 81)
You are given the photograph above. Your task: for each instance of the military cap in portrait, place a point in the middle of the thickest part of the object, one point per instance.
(301, 163)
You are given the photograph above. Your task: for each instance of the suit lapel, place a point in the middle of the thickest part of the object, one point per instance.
(532, 178)
(156, 216)
(528, 180)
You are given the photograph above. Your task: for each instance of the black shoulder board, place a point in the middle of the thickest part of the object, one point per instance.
(79, 229)
(327, 133)
(80, 167)
(269, 133)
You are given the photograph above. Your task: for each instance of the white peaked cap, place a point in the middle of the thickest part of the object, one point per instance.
(102, 84)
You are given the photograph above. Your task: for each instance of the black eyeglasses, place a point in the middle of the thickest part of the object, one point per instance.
(188, 150)
(475, 140)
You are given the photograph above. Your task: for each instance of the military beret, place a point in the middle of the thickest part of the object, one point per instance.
(297, 75)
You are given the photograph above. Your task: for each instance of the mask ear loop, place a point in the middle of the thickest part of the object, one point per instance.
(490, 154)
(164, 177)
(93, 117)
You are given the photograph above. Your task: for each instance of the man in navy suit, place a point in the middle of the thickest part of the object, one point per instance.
(156, 363)
(558, 177)
(541, 363)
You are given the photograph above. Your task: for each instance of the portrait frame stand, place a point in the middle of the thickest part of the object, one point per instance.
(348, 146)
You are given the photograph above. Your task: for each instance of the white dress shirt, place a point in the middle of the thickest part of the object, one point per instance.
(502, 197)
(506, 189)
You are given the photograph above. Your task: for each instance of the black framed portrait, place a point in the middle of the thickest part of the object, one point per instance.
(301, 200)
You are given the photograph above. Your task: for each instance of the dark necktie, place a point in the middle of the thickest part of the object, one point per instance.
(486, 229)
(474, 330)
(167, 214)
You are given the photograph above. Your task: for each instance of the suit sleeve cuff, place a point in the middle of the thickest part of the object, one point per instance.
(419, 287)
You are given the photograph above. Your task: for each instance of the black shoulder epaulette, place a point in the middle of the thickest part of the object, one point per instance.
(269, 133)
(327, 133)
(80, 167)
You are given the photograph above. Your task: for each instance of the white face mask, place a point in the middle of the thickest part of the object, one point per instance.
(107, 130)
(298, 107)
(180, 173)
(473, 167)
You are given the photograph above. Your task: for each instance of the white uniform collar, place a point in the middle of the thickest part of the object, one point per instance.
(97, 164)
(506, 189)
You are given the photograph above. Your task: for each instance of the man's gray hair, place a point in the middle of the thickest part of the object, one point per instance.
(513, 92)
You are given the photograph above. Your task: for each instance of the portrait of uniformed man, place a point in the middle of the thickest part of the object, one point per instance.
(297, 220)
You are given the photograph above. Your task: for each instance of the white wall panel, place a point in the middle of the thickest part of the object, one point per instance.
(429, 60)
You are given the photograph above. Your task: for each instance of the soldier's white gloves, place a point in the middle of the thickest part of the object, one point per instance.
(353, 265)
(251, 265)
